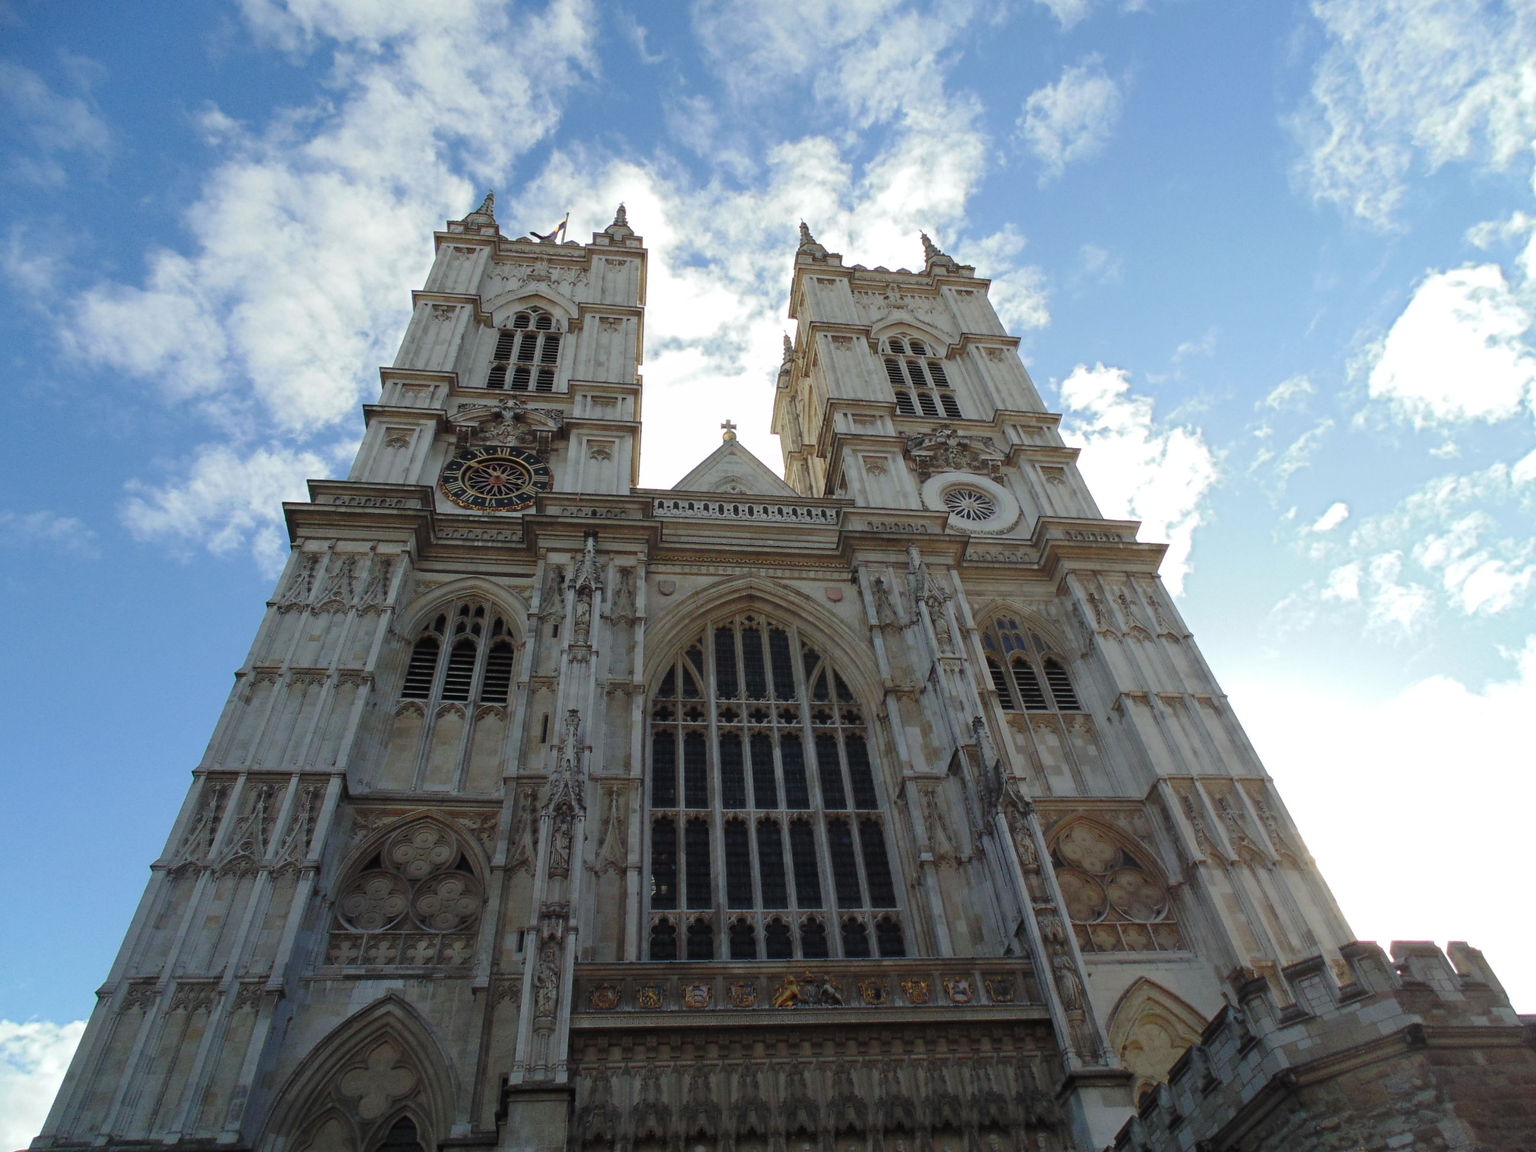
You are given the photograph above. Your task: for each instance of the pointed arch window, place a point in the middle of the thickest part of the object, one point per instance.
(527, 353)
(918, 379)
(1026, 674)
(412, 900)
(463, 655)
(767, 829)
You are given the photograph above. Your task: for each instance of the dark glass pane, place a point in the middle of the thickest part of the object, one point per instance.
(743, 941)
(663, 769)
(498, 674)
(783, 667)
(765, 785)
(859, 772)
(936, 370)
(843, 694)
(544, 321)
(546, 381)
(733, 780)
(668, 689)
(527, 348)
(663, 941)
(738, 866)
(797, 793)
(770, 864)
(695, 771)
(877, 869)
(664, 863)
(845, 869)
(916, 374)
(550, 352)
(1000, 685)
(752, 664)
(701, 941)
(897, 346)
(888, 937)
(520, 378)
(522, 320)
(926, 402)
(1061, 686)
(1028, 684)
(829, 772)
(696, 864)
(802, 850)
(418, 677)
(855, 938)
(813, 939)
(461, 670)
(401, 1137)
(904, 405)
(893, 372)
(776, 941)
(951, 405)
(725, 663)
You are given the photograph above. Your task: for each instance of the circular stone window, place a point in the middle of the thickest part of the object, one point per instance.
(975, 504)
(970, 504)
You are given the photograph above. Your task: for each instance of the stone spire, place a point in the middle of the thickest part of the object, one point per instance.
(620, 229)
(934, 257)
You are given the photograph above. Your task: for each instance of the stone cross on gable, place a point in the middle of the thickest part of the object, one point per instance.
(730, 430)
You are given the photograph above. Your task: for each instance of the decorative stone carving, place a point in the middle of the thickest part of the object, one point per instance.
(943, 449)
(508, 422)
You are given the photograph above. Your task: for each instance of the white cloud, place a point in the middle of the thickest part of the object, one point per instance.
(27, 529)
(1136, 467)
(309, 232)
(1458, 352)
(229, 499)
(33, 1058)
(1366, 776)
(50, 124)
(1414, 82)
(1067, 12)
(1299, 453)
(1071, 120)
(1337, 513)
(1289, 393)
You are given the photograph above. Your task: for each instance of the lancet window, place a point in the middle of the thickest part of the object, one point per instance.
(412, 901)
(1026, 675)
(1115, 896)
(465, 654)
(527, 353)
(767, 827)
(918, 380)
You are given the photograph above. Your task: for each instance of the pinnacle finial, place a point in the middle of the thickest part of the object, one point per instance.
(805, 234)
(789, 348)
(487, 206)
(620, 218)
(930, 249)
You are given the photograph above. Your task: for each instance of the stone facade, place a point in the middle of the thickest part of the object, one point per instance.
(886, 805)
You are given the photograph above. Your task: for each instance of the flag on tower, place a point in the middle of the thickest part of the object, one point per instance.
(557, 231)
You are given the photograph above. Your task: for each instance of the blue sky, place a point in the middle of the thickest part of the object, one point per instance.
(1273, 261)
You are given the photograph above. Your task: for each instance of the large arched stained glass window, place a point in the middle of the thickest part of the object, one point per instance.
(767, 829)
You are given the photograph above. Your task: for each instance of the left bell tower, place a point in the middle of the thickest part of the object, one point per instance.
(359, 934)
(518, 374)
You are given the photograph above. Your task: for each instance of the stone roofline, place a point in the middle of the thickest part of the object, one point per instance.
(1272, 1036)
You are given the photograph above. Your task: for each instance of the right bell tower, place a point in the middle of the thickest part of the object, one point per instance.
(1146, 848)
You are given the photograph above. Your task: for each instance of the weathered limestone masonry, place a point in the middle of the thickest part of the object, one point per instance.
(1413, 1054)
(886, 805)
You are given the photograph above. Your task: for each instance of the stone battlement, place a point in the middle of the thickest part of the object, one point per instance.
(1422, 1050)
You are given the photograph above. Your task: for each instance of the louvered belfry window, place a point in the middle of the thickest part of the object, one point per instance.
(464, 654)
(527, 353)
(1025, 672)
(767, 830)
(918, 380)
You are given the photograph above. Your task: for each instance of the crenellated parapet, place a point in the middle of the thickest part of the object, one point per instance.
(1422, 1050)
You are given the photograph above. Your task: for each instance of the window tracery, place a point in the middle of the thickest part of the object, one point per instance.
(767, 835)
(527, 353)
(918, 379)
(464, 654)
(414, 901)
(1116, 898)
(1026, 675)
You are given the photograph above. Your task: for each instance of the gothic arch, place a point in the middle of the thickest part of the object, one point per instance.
(1027, 664)
(380, 1066)
(850, 652)
(1149, 1028)
(546, 297)
(420, 611)
(898, 323)
(1114, 888)
(412, 894)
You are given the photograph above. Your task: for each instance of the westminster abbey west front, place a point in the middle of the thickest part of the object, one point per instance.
(889, 805)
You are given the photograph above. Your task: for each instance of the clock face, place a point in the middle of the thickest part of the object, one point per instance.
(494, 479)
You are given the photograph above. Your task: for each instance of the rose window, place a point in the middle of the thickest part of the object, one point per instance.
(970, 504)
(414, 902)
(1117, 903)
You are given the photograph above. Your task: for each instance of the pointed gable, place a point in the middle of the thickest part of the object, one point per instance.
(731, 470)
